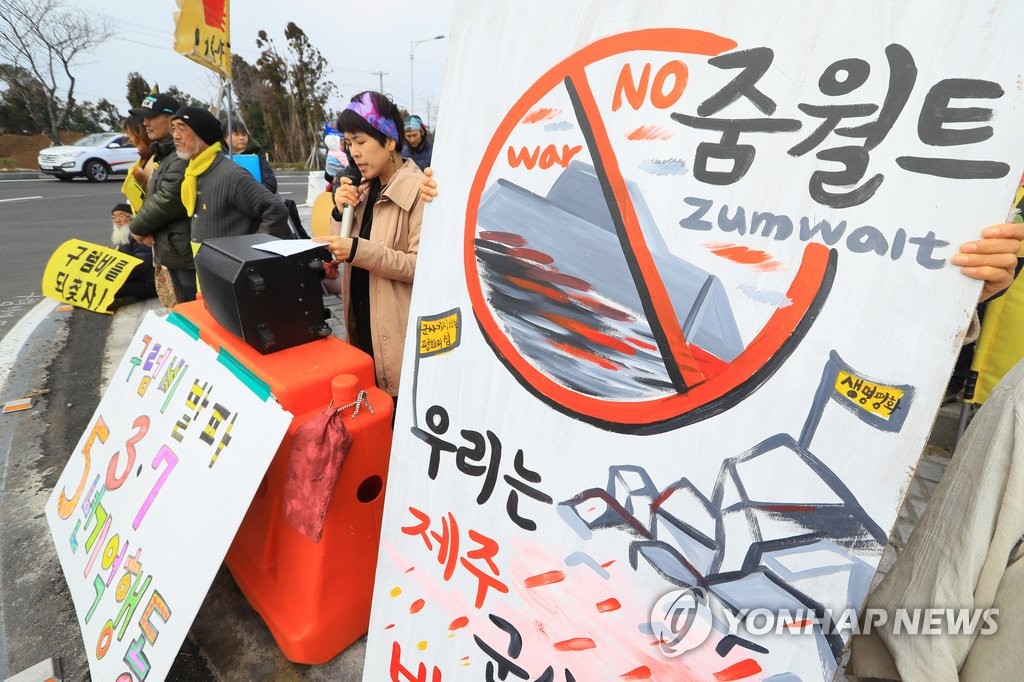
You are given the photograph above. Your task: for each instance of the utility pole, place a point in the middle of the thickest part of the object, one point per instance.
(412, 70)
(380, 75)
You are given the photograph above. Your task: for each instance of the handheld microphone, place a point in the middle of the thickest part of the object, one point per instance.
(353, 174)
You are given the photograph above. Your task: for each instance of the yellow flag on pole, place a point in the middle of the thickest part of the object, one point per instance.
(202, 32)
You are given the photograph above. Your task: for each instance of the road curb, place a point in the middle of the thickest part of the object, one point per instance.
(22, 175)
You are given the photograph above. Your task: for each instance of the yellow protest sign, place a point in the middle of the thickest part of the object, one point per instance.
(132, 190)
(202, 32)
(86, 275)
(873, 397)
(440, 333)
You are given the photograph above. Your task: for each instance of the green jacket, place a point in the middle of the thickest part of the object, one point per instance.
(162, 215)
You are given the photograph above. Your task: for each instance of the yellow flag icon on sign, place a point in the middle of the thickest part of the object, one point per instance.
(440, 333)
(202, 32)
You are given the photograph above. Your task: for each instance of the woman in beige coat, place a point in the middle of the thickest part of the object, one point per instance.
(382, 248)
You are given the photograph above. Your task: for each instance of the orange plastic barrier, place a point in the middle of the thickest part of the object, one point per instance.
(314, 597)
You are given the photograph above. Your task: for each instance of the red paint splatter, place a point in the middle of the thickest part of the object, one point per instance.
(531, 255)
(545, 579)
(607, 605)
(743, 255)
(553, 294)
(584, 355)
(641, 344)
(607, 563)
(507, 238)
(641, 673)
(562, 279)
(744, 668)
(650, 133)
(388, 627)
(410, 569)
(591, 334)
(458, 624)
(541, 114)
(800, 624)
(417, 606)
(575, 644)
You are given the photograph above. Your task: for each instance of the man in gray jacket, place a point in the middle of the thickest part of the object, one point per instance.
(162, 221)
(223, 198)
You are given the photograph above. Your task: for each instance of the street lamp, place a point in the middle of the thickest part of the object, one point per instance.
(412, 71)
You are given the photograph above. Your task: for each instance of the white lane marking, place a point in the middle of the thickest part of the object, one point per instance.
(20, 199)
(15, 339)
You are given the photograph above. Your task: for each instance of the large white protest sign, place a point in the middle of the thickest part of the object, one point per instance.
(684, 313)
(153, 494)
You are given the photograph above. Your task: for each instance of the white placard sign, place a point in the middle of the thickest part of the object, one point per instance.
(153, 494)
(683, 316)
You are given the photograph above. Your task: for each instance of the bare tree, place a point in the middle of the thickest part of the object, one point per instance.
(44, 38)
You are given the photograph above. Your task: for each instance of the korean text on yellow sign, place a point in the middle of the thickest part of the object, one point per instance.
(872, 397)
(439, 333)
(86, 275)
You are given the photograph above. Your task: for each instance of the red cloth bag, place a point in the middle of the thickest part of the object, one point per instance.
(319, 448)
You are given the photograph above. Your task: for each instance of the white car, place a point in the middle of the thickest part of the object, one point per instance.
(94, 156)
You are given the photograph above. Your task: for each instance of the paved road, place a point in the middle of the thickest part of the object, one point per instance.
(37, 215)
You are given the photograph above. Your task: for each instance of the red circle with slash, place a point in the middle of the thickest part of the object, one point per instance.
(695, 397)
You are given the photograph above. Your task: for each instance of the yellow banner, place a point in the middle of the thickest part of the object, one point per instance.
(1001, 344)
(440, 333)
(132, 190)
(202, 32)
(86, 275)
(873, 397)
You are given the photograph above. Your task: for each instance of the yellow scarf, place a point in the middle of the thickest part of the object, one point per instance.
(199, 164)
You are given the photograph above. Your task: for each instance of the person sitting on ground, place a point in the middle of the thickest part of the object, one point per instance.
(418, 146)
(242, 144)
(223, 199)
(140, 284)
(378, 286)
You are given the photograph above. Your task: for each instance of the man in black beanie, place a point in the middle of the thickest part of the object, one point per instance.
(223, 199)
(140, 284)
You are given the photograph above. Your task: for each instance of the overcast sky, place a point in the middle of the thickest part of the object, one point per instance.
(356, 38)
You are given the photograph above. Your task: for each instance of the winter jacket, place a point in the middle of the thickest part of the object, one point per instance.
(421, 155)
(162, 215)
(390, 257)
(230, 203)
(143, 253)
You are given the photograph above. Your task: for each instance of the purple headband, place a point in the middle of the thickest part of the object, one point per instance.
(365, 107)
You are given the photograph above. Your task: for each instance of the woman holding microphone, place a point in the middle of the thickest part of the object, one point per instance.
(385, 213)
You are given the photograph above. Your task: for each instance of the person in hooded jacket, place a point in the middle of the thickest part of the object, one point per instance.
(418, 146)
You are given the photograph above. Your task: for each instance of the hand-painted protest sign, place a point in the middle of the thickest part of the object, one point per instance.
(153, 494)
(86, 275)
(706, 247)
